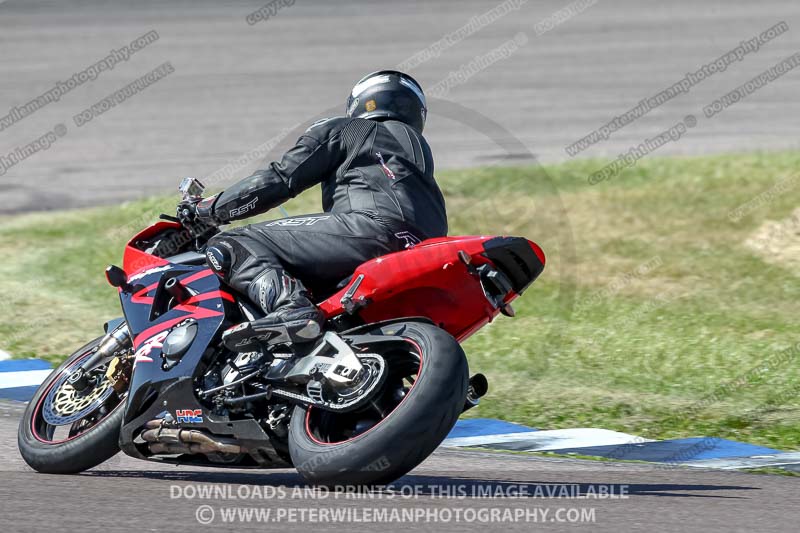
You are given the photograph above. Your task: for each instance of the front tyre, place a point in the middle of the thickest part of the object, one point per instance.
(419, 404)
(63, 431)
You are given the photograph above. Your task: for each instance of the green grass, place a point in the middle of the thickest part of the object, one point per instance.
(596, 342)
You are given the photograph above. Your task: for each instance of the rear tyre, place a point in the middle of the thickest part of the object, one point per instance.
(86, 442)
(401, 427)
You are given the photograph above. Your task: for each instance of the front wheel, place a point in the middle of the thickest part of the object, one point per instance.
(418, 405)
(65, 431)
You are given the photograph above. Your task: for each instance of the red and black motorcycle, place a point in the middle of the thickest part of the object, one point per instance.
(364, 404)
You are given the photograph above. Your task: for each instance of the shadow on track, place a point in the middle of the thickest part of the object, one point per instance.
(448, 487)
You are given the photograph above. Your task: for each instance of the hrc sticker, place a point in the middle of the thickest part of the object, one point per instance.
(189, 416)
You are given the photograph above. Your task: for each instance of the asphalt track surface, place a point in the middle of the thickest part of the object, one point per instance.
(130, 495)
(236, 85)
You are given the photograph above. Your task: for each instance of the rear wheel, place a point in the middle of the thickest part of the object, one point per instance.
(64, 430)
(416, 408)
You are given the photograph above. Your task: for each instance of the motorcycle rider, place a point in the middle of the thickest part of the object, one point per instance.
(378, 196)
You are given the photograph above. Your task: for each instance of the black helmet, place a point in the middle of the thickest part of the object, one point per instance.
(388, 94)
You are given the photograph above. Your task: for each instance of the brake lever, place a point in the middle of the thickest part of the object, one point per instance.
(162, 216)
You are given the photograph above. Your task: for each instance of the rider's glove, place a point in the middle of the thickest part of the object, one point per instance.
(204, 210)
(198, 210)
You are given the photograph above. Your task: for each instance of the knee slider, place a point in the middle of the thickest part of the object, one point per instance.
(220, 257)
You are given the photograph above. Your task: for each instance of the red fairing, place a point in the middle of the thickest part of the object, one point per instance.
(135, 260)
(428, 280)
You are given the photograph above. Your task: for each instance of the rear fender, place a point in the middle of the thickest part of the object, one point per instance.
(367, 328)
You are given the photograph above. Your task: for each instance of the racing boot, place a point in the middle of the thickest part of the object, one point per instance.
(291, 317)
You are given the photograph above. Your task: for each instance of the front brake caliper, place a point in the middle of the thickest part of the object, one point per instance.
(119, 373)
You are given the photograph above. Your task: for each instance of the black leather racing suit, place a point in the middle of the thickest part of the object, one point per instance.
(378, 196)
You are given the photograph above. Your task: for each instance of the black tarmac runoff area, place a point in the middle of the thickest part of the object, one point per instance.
(505, 80)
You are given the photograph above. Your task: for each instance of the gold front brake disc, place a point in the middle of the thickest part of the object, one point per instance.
(69, 401)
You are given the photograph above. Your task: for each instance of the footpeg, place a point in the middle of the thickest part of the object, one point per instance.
(478, 387)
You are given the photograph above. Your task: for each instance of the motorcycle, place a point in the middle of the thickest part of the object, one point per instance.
(364, 404)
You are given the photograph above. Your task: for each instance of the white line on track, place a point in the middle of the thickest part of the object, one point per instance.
(553, 439)
(24, 378)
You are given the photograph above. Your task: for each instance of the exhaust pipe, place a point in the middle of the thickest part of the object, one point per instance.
(175, 441)
(478, 387)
